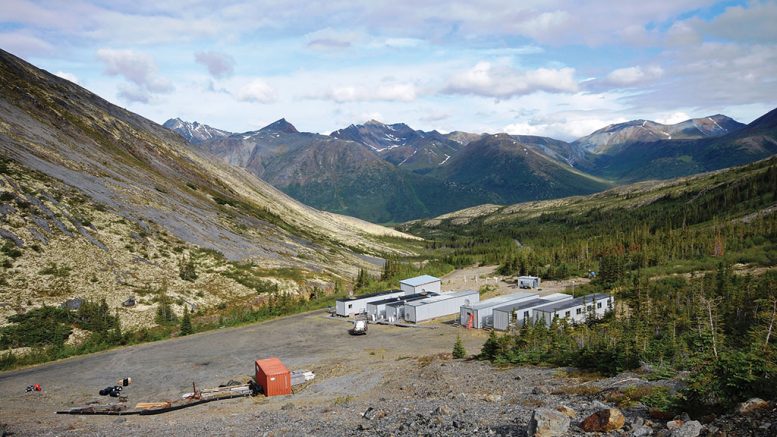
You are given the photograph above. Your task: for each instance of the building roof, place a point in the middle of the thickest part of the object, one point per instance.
(502, 300)
(528, 277)
(405, 298)
(442, 296)
(272, 366)
(367, 296)
(527, 304)
(419, 280)
(565, 304)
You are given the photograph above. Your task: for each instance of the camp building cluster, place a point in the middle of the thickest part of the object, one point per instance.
(420, 299)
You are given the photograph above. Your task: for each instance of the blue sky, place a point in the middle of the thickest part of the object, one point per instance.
(555, 68)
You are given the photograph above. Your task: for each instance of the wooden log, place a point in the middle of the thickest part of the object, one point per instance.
(147, 405)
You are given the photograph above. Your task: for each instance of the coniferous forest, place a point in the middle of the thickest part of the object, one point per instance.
(692, 273)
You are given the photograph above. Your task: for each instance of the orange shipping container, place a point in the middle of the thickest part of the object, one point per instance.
(273, 376)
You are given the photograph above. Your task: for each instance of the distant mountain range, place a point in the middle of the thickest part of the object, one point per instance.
(392, 172)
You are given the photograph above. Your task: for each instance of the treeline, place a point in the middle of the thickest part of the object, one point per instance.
(720, 327)
(697, 228)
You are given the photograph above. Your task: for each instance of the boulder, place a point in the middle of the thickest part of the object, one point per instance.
(752, 404)
(691, 428)
(604, 421)
(545, 422)
(563, 409)
(674, 424)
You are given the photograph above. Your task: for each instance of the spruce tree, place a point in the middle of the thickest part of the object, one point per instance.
(458, 349)
(186, 322)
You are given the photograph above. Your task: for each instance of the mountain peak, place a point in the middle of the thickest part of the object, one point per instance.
(281, 126)
(373, 122)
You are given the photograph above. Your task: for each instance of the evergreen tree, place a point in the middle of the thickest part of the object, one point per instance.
(186, 269)
(458, 349)
(186, 322)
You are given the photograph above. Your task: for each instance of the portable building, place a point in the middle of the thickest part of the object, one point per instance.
(420, 284)
(358, 304)
(480, 315)
(377, 309)
(520, 312)
(528, 282)
(395, 311)
(438, 306)
(273, 377)
(576, 310)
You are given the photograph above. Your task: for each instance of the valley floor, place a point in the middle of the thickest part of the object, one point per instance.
(405, 375)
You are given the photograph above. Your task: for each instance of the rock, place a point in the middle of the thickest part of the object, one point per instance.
(604, 421)
(674, 424)
(492, 398)
(287, 406)
(642, 431)
(563, 409)
(692, 428)
(540, 390)
(372, 413)
(663, 433)
(545, 422)
(601, 405)
(442, 410)
(518, 378)
(753, 404)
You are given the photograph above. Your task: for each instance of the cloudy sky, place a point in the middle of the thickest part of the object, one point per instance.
(556, 68)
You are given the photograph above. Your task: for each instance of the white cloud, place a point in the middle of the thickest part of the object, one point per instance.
(137, 68)
(257, 91)
(634, 75)
(673, 118)
(67, 76)
(133, 93)
(401, 92)
(755, 23)
(486, 79)
(219, 65)
(23, 44)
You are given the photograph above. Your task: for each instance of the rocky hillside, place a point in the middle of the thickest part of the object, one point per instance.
(100, 202)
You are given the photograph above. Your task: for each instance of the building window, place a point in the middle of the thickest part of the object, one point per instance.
(350, 306)
(590, 307)
(599, 305)
(566, 314)
(579, 311)
(525, 315)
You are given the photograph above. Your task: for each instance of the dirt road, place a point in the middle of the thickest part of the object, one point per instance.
(165, 370)
(347, 368)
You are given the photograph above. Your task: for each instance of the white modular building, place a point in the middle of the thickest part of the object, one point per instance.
(438, 306)
(358, 304)
(528, 282)
(519, 313)
(420, 284)
(480, 315)
(576, 310)
(377, 309)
